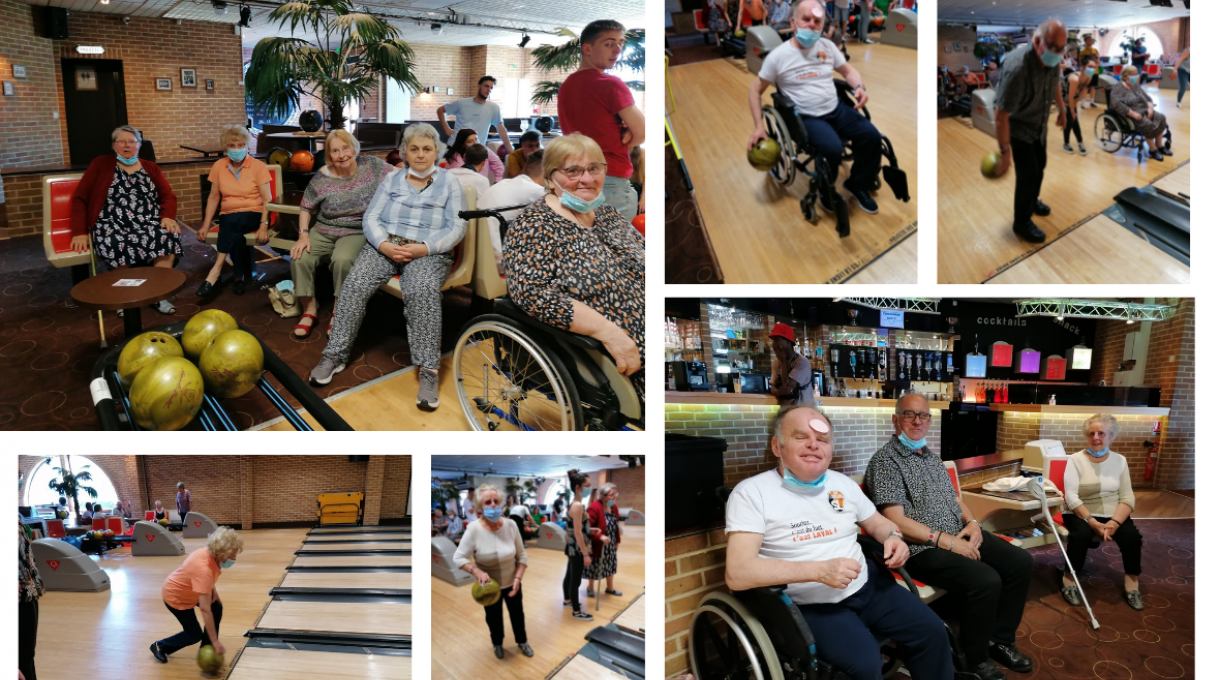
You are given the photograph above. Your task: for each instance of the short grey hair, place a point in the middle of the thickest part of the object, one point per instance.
(775, 431)
(1108, 421)
(494, 488)
(898, 404)
(422, 130)
(607, 488)
(235, 133)
(114, 136)
(1046, 26)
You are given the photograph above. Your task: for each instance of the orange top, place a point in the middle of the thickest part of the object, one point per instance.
(197, 576)
(240, 195)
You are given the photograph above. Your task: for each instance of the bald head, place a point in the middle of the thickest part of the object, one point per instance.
(1053, 33)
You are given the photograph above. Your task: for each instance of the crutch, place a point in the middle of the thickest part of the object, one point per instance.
(1035, 487)
(601, 562)
(93, 272)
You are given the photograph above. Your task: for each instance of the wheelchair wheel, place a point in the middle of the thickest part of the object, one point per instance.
(506, 380)
(728, 642)
(1109, 133)
(784, 171)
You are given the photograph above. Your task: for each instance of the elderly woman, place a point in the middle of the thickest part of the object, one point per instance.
(129, 216)
(241, 188)
(603, 526)
(336, 198)
(578, 546)
(1097, 491)
(456, 527)
(159, 511)
(492, 549)
(439, 523)
(412, 225)
(576, 264)
(1129, 99)
(194, 585)
(29, 589)
(455, 157)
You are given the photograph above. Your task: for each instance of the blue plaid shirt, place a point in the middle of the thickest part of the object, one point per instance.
(429, 216)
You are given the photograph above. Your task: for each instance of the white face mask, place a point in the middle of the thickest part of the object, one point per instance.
(421, 175)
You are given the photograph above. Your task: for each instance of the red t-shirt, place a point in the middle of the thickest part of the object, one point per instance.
(589, 102)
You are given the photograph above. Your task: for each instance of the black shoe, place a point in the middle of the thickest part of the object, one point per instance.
(1072, 595)
(204, 289)
(1011, 657)
(1166, 152)
(1029, 232)
(526, 649)
(583, 616)
(239, 287)
(867, 204)
(157, 653)
(1041, 209)
(614, 592)
(1156, 155)
(988, 671)
(499, 650)
(1134, 600)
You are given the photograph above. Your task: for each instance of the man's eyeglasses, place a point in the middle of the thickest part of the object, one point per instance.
(576, 172)
(915, 416)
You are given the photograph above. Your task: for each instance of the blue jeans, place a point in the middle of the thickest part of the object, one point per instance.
(827, 133)
(192, 632)
(1183, 82)
(844, 631)
(620, 194)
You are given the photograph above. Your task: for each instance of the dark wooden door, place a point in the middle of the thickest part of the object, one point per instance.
(92, 114)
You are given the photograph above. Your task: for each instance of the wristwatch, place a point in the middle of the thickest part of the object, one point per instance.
(895, 532)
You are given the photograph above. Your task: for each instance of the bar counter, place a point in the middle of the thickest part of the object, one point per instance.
(672, 397)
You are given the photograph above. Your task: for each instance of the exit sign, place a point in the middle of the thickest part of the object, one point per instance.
(512, 66)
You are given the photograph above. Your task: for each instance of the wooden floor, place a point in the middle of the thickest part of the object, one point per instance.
(362, 618)
(358, 580)
(976, 241)
(755, 225)
(324, 547)
(1163, 505)
(107, 634)
(633, 618)
(338, 538)
(292, 664)
(461, 646)
(352, 561)
(583, 668)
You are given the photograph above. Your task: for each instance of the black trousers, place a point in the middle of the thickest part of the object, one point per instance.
(571, 580)
(1080, 536)
(27, 637)
(231, 240)
(1073, 125)
(516, 614)
(192, 632)
(992, 590)
(1029, 162)
(827, 134)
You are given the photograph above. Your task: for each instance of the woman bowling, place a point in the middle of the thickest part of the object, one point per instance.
(576, 264)
(334, 203)
(194, 585)
(577, 547)
(499, 554)
(1074, 85)
(603, 521)
(1097, 491)
(1130, 100)
(241, 188)
(412, 227)
(126, 208)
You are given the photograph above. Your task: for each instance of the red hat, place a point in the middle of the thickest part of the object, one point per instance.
(783, 330)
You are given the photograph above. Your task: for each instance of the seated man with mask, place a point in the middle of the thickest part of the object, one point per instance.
(802, 68)
(797, 524)
(949, 550)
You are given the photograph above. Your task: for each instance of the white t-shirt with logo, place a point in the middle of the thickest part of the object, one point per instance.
(805, 75)
(803, 526)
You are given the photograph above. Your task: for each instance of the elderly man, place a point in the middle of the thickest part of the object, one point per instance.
(796, 525)
(802, 68)
(1029, 82)
(949, 549)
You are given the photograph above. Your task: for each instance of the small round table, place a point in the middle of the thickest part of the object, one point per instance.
(99, 292)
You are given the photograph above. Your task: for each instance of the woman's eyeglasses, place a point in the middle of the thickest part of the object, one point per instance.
(576, 172)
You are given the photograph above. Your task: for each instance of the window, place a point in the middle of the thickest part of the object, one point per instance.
(38, 491)
(1151, 43)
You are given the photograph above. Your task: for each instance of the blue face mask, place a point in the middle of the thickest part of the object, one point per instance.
(127, 161)
(493, 514)
(1097, 454)
(1050, 58)
(1090, 72)
(226, 564)
(579, 205)
(801, 485)
(807, 36)
(910, 443)
(237, 155)
(1134, 80)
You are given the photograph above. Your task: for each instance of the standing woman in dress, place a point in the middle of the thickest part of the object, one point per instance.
(603, 519)
(577, 548)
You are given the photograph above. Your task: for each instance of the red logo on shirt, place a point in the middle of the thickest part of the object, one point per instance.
(149, 537)
(836, 501)
(53, 564)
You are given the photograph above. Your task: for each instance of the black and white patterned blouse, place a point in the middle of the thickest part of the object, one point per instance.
(29, 583)
(918, 481)
(128, 232)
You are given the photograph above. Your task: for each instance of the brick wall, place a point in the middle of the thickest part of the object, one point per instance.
(946, 36)
(630, 485)
(396, 487)
(1015, 429)
(31, 133)
(1173, 34)
(694, 566)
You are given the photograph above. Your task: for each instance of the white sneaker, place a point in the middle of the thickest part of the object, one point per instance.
(1179, 105)
(1083, 151)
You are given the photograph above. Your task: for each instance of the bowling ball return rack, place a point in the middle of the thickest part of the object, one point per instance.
(111, 401)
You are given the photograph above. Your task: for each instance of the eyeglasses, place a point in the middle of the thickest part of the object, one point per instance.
(575, 172)
(915, 416)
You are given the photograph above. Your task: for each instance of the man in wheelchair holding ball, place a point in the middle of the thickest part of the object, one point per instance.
(802, 68)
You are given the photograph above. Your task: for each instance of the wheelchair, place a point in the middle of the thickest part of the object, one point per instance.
(1115, 131)
(514, 372)
(784, 125)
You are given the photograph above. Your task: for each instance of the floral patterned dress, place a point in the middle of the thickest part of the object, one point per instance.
(128, 232)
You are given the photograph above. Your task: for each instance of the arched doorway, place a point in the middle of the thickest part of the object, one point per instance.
(38, 492)
(1151, 42)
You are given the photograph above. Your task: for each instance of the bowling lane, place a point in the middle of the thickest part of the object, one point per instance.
(359, 618)
(257, 663)
(339, 538)
(584, 668)
(632, 618)
(399, 580)
(316, 547)
(358, 530)
(377, 561)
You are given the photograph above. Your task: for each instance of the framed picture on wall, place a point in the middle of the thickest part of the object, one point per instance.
(165, 83)
(8, 88)
(18, 71)
(210, 84)
(86, 78)
(188, 77)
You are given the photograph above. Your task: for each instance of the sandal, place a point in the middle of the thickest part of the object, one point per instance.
(165, 307)
(1072, 595)
(1134, 600)
(302, 327)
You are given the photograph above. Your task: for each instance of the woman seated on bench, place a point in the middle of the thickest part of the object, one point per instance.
(576, 264)
(1129, 99)
(128, 215)
(455, 157)
(412, 227)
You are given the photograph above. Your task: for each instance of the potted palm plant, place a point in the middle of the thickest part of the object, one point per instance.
(344, 56)
(513, 490)
(69, 485)
(567, 56)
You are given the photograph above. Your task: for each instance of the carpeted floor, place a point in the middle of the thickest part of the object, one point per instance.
(47, 350)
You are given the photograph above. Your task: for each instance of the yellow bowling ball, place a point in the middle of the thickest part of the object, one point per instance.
(167, 394)
(143, 350)
(202, 328)
(231, 364)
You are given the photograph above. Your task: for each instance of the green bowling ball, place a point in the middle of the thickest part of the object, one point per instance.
(209, 661)
(764, 155)
(202, 327)
(231, 364)
(167, 394)
(739, 34)
(144, 349)
(486, 595)
(990, 161)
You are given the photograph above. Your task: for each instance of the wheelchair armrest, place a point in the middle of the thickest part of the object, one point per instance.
(873, 546)
(510, 309)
